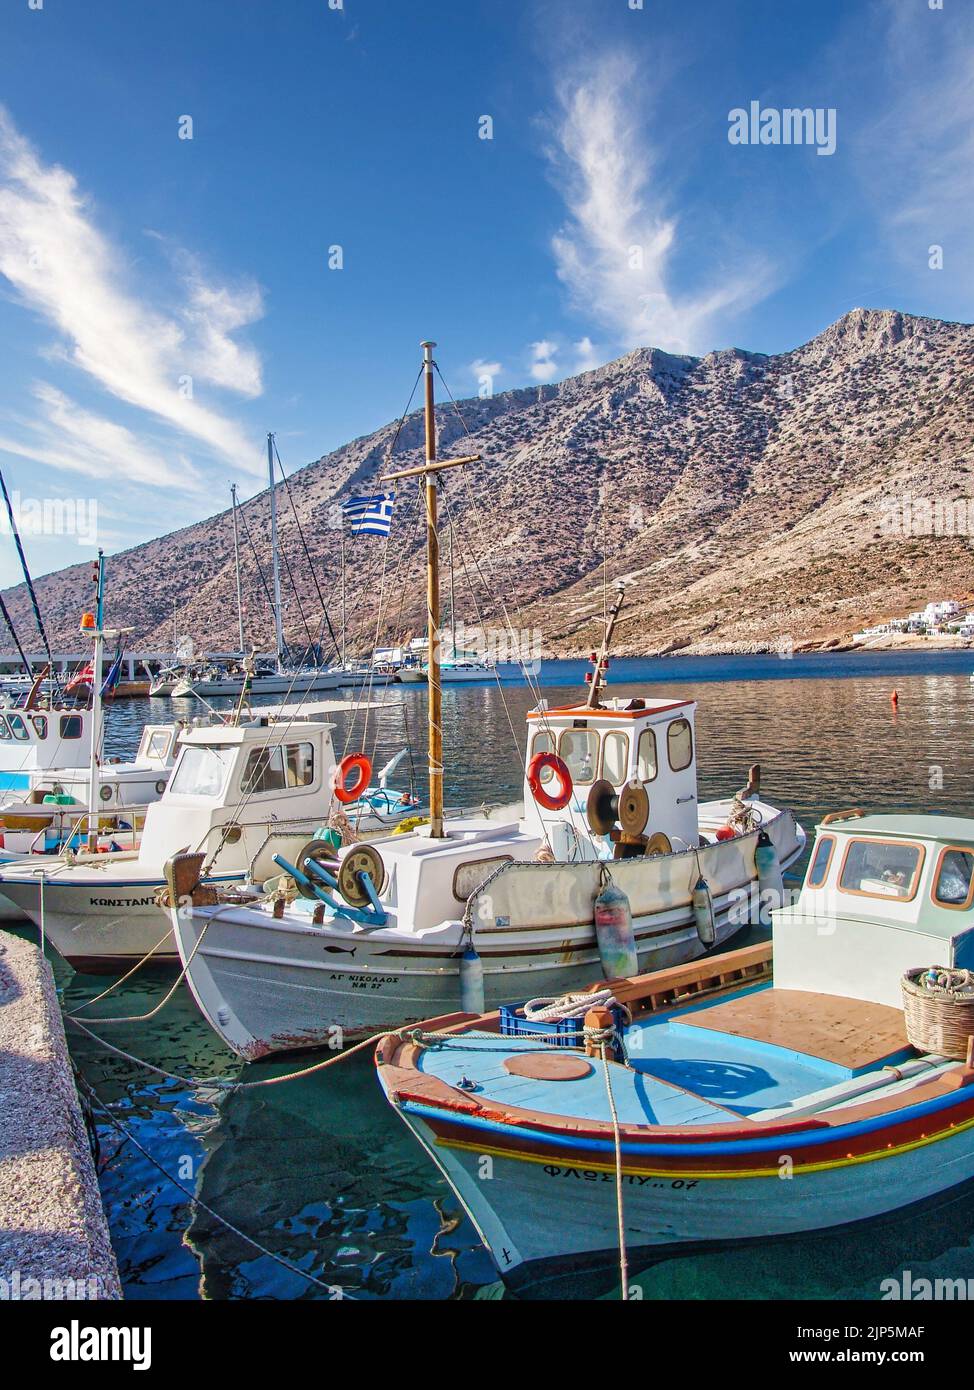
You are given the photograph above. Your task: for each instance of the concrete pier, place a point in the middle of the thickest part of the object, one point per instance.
(54, 1240)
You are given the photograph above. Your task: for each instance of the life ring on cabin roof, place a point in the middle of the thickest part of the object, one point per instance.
(559, 769)
(352, 762)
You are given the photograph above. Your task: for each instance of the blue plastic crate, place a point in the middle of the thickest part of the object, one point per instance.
(565, 1032)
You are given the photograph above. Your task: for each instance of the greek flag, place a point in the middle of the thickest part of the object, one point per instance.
(370, 516)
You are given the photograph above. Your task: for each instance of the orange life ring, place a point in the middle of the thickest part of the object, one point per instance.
(353, 762)
(560, 770)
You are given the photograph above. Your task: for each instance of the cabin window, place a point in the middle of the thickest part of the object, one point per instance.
(579, 748)
(881, 869)
(468, 877)
(615, 757)
(70, 726)
(646, 765)
(954, 882)
(543, 742)
(18, 728)
(275, 769)
(158, 744)
(679, 744)
(201, 771)
(39, 722)
(4, 728)
(818, 870)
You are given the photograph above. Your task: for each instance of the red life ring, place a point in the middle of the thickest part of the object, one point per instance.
(353, 762)
(560, 770)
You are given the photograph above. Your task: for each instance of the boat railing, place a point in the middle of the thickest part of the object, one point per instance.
(79, 826)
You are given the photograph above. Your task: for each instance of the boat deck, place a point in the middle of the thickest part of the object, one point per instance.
(703, 1064)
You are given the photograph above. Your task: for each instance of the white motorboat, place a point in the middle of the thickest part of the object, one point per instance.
(239, 793)
(497, 906)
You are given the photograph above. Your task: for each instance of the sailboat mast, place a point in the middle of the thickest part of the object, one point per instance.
(236, 564)
(344, 617)
(428, 471)
(95, 755)
(278, 629)
(435, 702)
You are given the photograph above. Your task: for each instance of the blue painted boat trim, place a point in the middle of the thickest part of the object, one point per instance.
(799, 1139)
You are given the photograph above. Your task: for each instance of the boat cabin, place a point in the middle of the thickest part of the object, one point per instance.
(246, 775)
(34, 740)
(883, 894)
(642, 740)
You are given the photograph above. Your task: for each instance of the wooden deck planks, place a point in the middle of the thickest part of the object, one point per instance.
(846, 1032)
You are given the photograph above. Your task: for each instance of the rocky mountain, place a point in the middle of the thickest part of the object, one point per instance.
(749, 501)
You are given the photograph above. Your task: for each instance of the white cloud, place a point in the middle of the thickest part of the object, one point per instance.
(479, 368)
(67, 271)
(587, 355)
(615, 250)
(69, 438)
(543, 366)
(916, 157)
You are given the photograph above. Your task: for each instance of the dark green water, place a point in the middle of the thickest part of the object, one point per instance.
(321, 1172)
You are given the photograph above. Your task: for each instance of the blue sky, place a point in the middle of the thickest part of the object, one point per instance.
(165, 301)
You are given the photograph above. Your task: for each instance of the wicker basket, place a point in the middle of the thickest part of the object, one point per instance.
(939, 1008)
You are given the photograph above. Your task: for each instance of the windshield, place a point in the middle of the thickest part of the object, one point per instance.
(201, 771)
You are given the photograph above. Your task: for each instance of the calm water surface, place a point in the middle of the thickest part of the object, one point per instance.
(323, 1173)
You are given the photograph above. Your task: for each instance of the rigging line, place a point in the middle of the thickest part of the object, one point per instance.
(241, 510)
(297, 598)
(307, 552)
(196, 1201)
(29, 582)
(13, 633)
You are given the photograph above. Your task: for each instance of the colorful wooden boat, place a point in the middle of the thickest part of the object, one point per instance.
(743, 1109)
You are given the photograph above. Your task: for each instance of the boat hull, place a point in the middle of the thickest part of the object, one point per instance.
(269, 986)
(538, 1216)
(99, 927)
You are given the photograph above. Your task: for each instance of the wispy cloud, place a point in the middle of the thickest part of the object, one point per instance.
(65, 269)
(66, 437)
(614, 252)
(917, 155)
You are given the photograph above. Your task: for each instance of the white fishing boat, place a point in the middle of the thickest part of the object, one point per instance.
(239, 793)
(496, 905)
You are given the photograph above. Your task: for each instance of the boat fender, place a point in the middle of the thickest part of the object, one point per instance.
(361, 766)
(614, 934)
(725, 832)
(559, 769)
(472, 998)
(703, 912)
(770, 883)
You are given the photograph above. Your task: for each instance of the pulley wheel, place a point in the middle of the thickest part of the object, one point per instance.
(658, 844)
(633, 808)
(322, 853)
(360, 859)
(602, 806)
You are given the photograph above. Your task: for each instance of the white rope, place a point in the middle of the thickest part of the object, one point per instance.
(550, 1008)
(620, 1220)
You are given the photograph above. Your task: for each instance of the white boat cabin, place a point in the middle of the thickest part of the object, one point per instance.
(623, 741)
(231, 781)
(48, 752)
(883, 894)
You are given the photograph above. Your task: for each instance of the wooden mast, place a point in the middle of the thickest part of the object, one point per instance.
(428, 471)
(435, 694)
